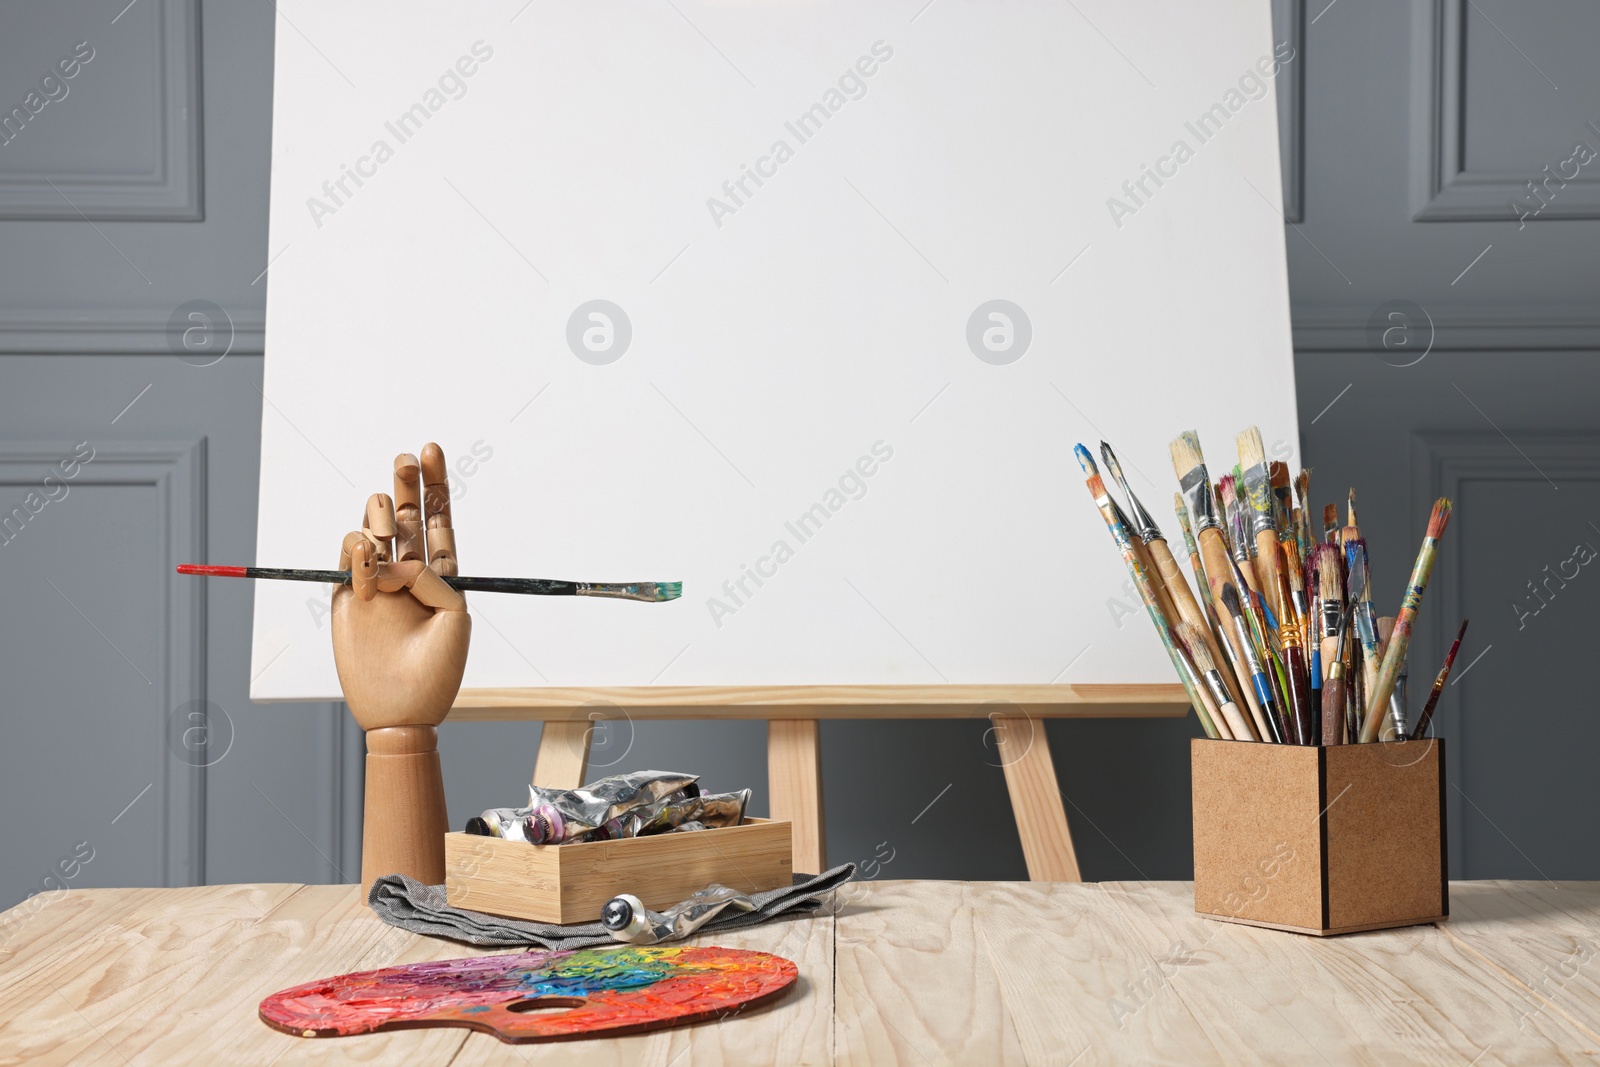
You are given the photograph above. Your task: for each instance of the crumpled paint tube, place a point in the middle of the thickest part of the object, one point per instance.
(627, 919)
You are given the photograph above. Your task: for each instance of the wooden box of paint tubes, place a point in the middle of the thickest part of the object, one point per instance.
(1320, 839)
(570, 883)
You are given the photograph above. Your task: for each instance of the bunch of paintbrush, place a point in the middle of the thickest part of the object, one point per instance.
(1283, 643)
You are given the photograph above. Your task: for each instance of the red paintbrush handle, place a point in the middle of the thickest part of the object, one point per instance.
(1294, 663)
(1333, 705)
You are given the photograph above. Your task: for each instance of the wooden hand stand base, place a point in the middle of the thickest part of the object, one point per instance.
(406, 821)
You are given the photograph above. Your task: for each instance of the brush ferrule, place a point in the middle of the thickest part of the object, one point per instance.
(1143, 524)
(1219, 691)
(1258, 491)
(1196, 487)
(1331, 611)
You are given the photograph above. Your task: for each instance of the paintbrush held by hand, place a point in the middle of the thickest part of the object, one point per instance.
(648, 592)
(1283, 643)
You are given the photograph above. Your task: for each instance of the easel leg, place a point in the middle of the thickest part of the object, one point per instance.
(563, 754)
(1036, 800)
(794, 781)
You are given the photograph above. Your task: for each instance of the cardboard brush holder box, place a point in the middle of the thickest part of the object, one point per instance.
(1320, 840)
(570, 883)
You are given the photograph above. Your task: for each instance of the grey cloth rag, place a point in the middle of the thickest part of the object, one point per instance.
(422, 909)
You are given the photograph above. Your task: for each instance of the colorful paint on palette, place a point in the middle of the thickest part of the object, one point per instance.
(538, 996)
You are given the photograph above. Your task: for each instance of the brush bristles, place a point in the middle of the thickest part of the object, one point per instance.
(1352, 521)
(1085, 460)
(1186, 455)
(1251, 451)
(1292, 568)
(1330, 518)
(1230, 600)
(1227, 491)
(1440, 518)
(1193, 639)
(1278, 473)
(1097, 487)
(1302, 487)
(1328, 578)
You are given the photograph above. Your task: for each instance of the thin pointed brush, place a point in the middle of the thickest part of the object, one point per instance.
(1262, 633)
(1189, 464)
(1147, 593)
(648, 592)
(1159, 554)
(1258, 672)
(1302, 513)
(1196, 564)
(1333, 687)
(1421, 729)
(1239, 540)
(1194, 640)
(1405, 618)
(1358, 582)
(1330, 524)
(1258, 503)
(1296, 659)
(1138, 522)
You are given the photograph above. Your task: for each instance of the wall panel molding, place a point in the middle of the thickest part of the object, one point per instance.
(176, 472)
(1442, 190)
(116, 333)
(1441, 463)
(173, 190)
(1484, 326)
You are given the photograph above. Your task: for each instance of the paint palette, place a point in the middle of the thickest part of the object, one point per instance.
(539, 995)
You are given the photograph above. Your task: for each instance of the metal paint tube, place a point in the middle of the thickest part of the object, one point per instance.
(627, 919)
(554, 816)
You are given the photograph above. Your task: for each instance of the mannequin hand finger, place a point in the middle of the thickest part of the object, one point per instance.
(436, 511)
(408, 509)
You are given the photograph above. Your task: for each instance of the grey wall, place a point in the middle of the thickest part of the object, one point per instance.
(1408, 131)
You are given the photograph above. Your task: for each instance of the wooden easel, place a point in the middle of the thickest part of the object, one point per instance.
(794, 763)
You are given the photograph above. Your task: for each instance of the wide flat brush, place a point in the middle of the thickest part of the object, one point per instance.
(1194, 640)
(1179, 595)
(1351, 530)
(1141, 580)
(1330, 595)
(1421, 729)
(1194, 481)
(647, 592)
(1405, 618)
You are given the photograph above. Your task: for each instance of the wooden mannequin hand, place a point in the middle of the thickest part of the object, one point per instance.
(400, 633)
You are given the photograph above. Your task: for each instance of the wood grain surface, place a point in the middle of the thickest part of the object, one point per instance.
(890, 973)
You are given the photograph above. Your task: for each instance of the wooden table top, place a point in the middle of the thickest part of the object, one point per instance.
(901, 973)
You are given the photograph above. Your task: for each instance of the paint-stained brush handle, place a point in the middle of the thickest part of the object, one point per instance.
(646, 592)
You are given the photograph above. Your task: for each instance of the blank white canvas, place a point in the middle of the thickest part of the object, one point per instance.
(785, 336)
